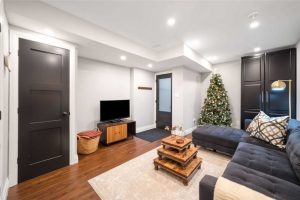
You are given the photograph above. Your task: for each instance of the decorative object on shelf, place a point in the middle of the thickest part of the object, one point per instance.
(179, 141)
(216, 109)
(175, 130)
(144, 88)
(280, 85)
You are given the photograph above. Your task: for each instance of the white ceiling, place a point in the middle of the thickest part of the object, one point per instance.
(104, 30)
(222, 27)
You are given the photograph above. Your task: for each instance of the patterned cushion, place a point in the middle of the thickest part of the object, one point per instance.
(269, 129)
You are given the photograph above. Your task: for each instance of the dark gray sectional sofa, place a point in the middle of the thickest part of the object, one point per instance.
(255, 164)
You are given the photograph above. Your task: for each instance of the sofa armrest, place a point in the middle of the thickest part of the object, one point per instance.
(247, 123)
(207, 187)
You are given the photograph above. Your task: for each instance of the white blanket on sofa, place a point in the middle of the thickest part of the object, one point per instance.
(229, 190)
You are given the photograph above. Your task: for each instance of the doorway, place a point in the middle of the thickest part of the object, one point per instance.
(43, 113)
(163, 100)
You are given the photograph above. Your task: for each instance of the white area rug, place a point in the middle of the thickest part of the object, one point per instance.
(137, 179)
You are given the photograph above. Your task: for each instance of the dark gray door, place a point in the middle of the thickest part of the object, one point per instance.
(280, 65)
(43, 109)
(163, 100)
(252, 94)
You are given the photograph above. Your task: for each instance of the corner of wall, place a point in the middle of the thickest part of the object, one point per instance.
(5, 190)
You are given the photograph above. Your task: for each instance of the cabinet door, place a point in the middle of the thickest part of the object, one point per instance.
(116, 133)
(252, 94)
(280, 65)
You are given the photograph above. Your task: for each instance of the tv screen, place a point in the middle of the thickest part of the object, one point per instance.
(112, 110)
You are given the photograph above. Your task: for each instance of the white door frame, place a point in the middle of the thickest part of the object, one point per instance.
(15, 34)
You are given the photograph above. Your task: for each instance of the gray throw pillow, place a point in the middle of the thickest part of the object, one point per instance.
(293, 150)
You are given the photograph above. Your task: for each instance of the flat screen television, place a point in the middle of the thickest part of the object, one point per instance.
(114, 110)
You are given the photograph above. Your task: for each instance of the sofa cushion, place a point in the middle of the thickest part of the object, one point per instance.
(293, 150)
(223, 136)
(293, 124)
(258, 142)
(272, 162)
(264, 183)
(269, 129)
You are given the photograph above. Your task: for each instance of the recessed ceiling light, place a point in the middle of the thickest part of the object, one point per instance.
(256, 49)
(123, 57)
(150, 65)
(48, 31)
(254, 24)
(171, 21)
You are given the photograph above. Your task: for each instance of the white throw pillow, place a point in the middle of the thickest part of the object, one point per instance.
(270, 129)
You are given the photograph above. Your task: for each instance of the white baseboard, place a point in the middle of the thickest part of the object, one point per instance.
(190, 130)
(5, 190)
(145, 128)
(74, 159)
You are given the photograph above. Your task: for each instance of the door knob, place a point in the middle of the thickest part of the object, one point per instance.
(66, 113)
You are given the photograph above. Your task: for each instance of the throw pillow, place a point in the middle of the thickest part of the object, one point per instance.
(270, 129)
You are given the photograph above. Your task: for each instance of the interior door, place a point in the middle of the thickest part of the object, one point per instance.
(252, 94)
(280, 65)
(43, 109)
(163, 100)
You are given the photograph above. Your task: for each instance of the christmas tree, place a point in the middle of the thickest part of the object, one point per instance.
(216, 109)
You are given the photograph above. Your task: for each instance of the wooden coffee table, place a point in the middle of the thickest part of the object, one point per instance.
(171, 142)
(178, 159)
(183, 157)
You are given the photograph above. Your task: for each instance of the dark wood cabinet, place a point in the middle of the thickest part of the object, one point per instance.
(258, 73)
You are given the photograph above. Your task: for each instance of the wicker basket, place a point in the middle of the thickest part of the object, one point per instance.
(87, 145)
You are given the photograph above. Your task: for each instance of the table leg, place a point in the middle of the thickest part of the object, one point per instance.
(185, 182)
(159, 157)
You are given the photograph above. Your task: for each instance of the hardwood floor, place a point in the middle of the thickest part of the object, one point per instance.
(71, 182)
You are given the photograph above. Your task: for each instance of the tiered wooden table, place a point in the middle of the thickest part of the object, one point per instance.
(178, 159)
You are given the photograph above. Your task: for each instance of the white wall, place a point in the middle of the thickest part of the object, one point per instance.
(191, 98)
(186, 98)
(298, 80)
(177, 96)
(4, 78)
(231, 75)
(142, 100)
(98, 81)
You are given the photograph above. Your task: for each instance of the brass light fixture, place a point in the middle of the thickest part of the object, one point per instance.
(280, 85)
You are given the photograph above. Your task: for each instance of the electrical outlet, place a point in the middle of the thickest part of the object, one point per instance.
(194, 121)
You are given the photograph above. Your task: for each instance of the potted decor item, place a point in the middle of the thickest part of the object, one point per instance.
(88, 141)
